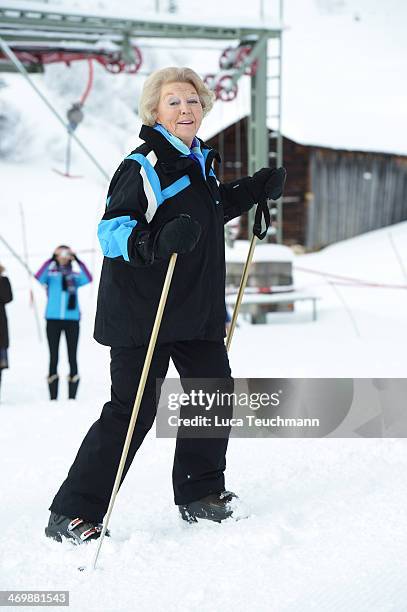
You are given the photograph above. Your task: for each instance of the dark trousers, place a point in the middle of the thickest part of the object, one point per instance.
(199, 463)
(54, 329)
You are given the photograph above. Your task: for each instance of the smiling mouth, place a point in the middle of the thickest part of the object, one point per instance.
(185, 122)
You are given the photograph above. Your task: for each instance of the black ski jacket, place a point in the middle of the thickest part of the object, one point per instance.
(6, 296)
(152, 185)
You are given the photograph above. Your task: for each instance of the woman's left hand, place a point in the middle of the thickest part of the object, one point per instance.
(269, 183)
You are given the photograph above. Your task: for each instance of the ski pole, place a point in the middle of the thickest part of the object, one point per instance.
(262, 210)
(33, 302)
(137, 401)
(242, 287)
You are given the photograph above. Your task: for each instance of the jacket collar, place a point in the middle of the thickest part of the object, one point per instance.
(170, 157)
(176, 142)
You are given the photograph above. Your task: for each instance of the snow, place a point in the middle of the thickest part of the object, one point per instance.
(326, 529)
(262, 252)
(326, 526)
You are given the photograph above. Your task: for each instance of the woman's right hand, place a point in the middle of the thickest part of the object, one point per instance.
(180, 235)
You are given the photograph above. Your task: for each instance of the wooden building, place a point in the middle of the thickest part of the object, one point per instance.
(331, 194)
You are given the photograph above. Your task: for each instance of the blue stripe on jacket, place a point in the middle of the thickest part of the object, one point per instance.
(176, 187)
(114, 234)
(151, 174)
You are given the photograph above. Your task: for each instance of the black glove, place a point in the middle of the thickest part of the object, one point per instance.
(269, 183)
(180, 235)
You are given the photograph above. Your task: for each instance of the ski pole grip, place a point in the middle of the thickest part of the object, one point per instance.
(262, 212)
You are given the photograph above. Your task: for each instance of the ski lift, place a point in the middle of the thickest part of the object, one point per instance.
(209, 80)
(75, 116)
(228, 58)
(222, 85)
(233, 58)
(35, 56)
(116, 64)
(225, 88)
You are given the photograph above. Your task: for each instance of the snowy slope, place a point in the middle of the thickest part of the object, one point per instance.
(326, 527)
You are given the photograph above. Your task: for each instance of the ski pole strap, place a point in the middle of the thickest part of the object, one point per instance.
(262, 212)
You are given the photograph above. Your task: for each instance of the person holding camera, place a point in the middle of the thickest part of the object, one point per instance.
(62, 312)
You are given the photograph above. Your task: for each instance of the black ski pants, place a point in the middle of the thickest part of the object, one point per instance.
(199, 463)
(54, 329)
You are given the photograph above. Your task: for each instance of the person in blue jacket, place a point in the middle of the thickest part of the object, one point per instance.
(62, 312)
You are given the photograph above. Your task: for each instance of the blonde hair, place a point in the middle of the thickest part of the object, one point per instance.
(150, 96)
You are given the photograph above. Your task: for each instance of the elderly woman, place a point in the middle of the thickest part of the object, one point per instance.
(163, 198)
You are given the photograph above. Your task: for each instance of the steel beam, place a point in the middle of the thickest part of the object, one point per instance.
(258, 141)
(35, 16)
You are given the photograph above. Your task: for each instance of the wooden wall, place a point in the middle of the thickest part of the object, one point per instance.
(330, 194)
(354, 192)
(232, 146)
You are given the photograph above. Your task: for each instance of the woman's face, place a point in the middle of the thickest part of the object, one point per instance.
(63, 255)
(180, 110)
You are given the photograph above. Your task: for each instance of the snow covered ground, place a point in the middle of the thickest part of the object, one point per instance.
(326, 530)
(326, 527)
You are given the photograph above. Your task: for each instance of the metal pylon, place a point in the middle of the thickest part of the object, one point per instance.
(273, 114)
(266, 148)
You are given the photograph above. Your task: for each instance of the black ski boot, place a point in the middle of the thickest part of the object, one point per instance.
(77, 530)
(214, 507)
(53, 386)
(73, 383)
